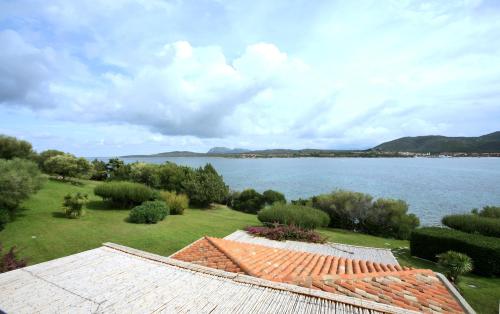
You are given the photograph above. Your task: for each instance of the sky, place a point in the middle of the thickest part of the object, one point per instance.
(138, 77)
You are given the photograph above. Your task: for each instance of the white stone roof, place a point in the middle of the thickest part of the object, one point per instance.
(117, 279)
(377, 255)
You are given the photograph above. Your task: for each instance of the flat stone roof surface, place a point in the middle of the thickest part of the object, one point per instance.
(377, 255)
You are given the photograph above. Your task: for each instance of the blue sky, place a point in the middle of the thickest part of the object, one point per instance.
(125, 77)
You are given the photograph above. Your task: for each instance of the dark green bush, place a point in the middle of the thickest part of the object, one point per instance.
(149, 212)
(488, 211)
(249, 201)
(473, 224)
(271, 197)
(345, 208)
(125, 193)
(19, 178)
(356, 211)
(11, 147)
(428, 242)
(296, 215)
(205, 186)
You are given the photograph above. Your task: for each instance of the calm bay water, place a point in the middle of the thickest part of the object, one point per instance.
(432, 186)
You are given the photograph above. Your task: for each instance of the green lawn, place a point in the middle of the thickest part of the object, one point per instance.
(41, 233)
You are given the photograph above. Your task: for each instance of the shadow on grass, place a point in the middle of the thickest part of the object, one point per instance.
(105, 205)
(59, 215)
(71, 181)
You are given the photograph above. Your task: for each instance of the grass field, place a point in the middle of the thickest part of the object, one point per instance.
(41, 232)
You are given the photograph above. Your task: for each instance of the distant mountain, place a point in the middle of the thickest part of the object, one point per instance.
(225, 150)
(489, 143)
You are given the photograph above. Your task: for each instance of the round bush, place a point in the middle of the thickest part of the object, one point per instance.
(473, 224)
(149, 212)
(296, 215)
(125, 193)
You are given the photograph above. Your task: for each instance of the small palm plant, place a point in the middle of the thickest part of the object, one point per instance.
(455, 263)
(73, 204)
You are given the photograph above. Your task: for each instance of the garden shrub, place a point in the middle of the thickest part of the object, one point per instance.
(345, 208)
(125, 193)
(473, 224)
(9, 261)
(175, 202)
(285, 232)
(297, 215)
(73, 204)
(149, 212)
(19, 178)
(356, 211)
(389, 218)
(271, 197)
(455, 263)
(249, 201)
(428, 242)
(488, 211)
(205, 186)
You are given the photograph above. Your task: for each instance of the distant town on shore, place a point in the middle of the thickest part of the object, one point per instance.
(431, 146)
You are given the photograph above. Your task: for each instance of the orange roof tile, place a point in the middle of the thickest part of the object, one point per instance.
(415, 289)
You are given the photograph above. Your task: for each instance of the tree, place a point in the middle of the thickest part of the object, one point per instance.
(272, 197)
(249, 201)
(147, 174)
(11, 147)
(118, 170)
(456, 264)
(205, 186)
(19, 179)
(43, 156)
(98, 172)
(67, 165)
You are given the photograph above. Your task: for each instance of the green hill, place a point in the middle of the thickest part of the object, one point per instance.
(489, 143)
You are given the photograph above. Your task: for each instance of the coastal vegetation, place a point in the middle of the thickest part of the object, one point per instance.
(294, 215)
(456, 264)
(149, 212)
(37, 233)
(471, 223)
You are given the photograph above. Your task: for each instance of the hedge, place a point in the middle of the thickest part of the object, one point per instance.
(125, 193)
(484, 251)
(474, 224)
(295, 215)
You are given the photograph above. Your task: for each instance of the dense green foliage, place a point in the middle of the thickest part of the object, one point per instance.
(356, 211)
(177, 203)
(205, 186)
(19, 178)
(489, 143)
(474, 224)
(455, 263)
(287, 232)
(99, 170)
(125, 193)
(248, 201)
(488, 211)
(73, 204)
(118, 170)
(11, 147)
(45, 155)
(345, 208)
(271, 197)
(296, 215)
(67, 165)
(149, 212)
(428, 242)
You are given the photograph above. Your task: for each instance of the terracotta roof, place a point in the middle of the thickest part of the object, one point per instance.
(413, 289)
